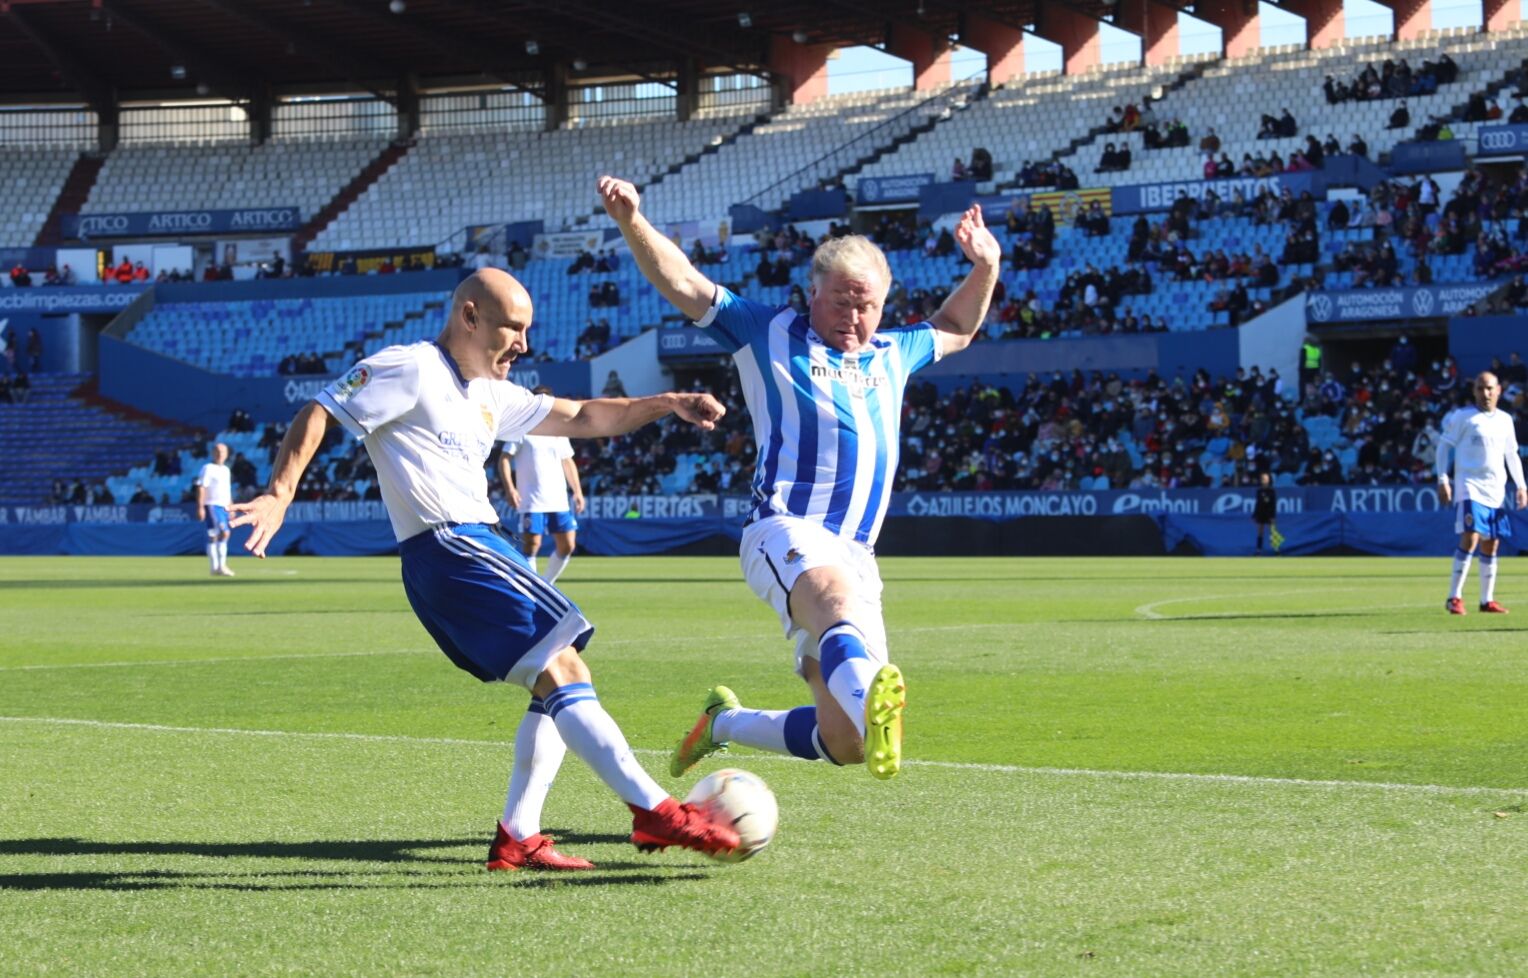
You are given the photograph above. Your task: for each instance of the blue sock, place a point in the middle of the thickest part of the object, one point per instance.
(847, 669)
(801, 736)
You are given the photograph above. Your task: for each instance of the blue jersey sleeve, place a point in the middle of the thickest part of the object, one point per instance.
(919, 344)
(734, 321)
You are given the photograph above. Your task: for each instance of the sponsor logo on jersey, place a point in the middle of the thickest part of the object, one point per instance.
(347, 386)
(487, 416)
(792, 556)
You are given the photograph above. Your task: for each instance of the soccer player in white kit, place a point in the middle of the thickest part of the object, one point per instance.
(1483, 444)
(214, 494)
(429, 414)
(538, 473)
(825, 393)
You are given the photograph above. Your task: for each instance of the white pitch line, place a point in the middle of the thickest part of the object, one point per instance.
(1149, 611)
(1239, 779)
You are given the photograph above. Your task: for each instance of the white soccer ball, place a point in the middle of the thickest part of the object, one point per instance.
(742, 800)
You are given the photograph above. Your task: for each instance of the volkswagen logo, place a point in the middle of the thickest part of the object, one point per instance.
(1422, 302)
(1319, 307)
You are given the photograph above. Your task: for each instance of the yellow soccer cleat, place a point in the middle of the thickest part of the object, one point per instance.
(697, 744)
(884, 703)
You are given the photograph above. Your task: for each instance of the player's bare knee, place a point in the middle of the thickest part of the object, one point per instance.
(567, 667)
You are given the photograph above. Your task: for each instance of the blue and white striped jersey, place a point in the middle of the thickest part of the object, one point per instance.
(827, 424)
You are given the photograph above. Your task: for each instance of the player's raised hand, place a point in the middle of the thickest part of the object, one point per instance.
(264, 516)
(620, 198)
(701, 410)
(976, 242)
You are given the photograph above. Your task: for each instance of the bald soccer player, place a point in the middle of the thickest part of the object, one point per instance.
(429, 414)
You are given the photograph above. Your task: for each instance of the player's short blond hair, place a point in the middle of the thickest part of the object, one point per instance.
(854, 255)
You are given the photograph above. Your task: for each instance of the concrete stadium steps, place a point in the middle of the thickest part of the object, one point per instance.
(59, 434)
(71, 199)
(350, 193)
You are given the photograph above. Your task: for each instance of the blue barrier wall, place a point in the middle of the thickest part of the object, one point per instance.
(1388, 521)
(1473, 342)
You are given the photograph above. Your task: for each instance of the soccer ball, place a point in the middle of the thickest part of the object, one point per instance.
(744, 801)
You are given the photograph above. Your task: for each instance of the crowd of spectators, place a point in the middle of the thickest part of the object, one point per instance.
(296, 364)
(1393, 79)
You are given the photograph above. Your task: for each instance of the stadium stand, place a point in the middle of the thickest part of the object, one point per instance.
(452, 180)
(251, 338)
(54, 434)
(302, 172)
(32, 179)
(1030, 118)
(785, 154)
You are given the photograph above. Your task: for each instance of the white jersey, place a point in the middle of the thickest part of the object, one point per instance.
(1485, 451)
(217, 485)
(429, 432)
(539, 475)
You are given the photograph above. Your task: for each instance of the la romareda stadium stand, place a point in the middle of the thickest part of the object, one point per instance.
(445, 180)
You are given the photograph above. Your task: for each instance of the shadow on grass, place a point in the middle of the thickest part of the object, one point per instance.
(255, 882)
(397, 856)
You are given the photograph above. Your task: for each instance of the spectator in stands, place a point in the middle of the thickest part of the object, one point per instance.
(123, 273)
(981, 164)
(1400, 118)
(1108, 160)
(1357, 146)
(20, 277)
(34, 350)
(141, 497)
(583, 263)
(1210, 143)
(141, 273)
(958, 170)
(1336, 91)
(613, 386)
(240, 421)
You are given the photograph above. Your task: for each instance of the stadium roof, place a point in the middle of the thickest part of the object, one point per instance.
(105, 50)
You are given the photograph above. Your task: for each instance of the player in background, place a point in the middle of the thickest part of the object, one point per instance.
(538, 473)
(1483, 444)
(1265, 509)
(825, 393)
(429, 415)
(214, 494)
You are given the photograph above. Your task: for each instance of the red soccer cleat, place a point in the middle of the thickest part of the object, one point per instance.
(1455, 606)
(673, 824)
(535, 852)
(1492, 608)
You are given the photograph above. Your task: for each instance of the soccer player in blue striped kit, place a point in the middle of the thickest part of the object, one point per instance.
(429, 415)
(825, 393)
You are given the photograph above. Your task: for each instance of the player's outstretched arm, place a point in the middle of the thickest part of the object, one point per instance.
(661, 261)
(604, 417)
(963, 313)
(265, 513)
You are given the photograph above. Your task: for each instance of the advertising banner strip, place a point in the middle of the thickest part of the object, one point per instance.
(250, 220)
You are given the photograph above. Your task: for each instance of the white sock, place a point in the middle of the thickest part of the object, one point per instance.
(222, 546)
(590, 733)
(760, 729)
(1487, 577)
(556, 565)
(1461, 571)
(212, 553)
(539, 751)
(531, 559)
(848, 669)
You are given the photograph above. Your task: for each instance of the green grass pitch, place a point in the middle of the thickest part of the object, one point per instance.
(1119, 767)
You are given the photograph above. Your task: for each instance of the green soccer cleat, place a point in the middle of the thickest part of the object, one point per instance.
(884, 704)
(697, 744)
